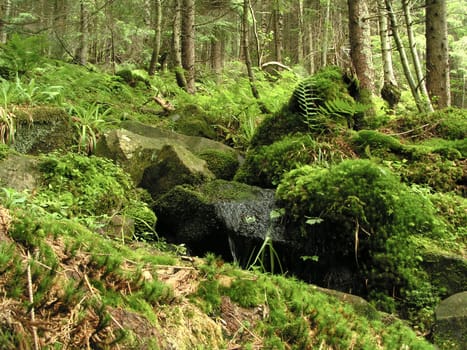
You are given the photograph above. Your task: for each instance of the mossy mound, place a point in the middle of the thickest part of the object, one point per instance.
(448, 124)
(222, 164)
(265, 165)
(319, 104)
(191, 120)
(361, 215)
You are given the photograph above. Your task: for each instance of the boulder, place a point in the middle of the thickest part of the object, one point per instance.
(447, 271)
(43, 130)
(224, 217)
(175, 165)
(450, 330)
(136, 146)
(20, 172)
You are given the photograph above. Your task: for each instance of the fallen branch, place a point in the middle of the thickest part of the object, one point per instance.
(275, 63)
(166, 105)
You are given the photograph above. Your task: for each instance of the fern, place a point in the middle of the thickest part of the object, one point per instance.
(340, 107)
(307, 99)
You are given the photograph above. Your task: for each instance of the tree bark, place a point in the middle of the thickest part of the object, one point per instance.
(177, 46)
(325, 42)
(5, 15)
(278, 37)
(390, 91)
(360, 44)
(188, 43)
(437, 53)
(246, 54)
(414, 53)
(421, 104)
(156, 44)
(82, 56)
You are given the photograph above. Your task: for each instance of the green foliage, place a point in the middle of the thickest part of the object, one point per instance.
(7, 126)
(20, 55)
(368, 216)
(89, 122)
(83, 185)
(324, 99)
(145, 220)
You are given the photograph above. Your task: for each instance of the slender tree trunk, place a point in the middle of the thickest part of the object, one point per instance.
(177, 46)
(188, 43)
(325, 42)
(82, 56)
(390, 91)
(421, 105)
(216, 52)
(437, 53)
(246, 54)
(360, 44)
(301, 32)
(256, 35)
(4, 16)
(278, 37)
(414, 53)
(156, 44)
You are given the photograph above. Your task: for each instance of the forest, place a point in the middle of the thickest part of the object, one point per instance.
(233, 174)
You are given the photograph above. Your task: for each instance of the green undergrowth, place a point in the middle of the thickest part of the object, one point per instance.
(295, 315)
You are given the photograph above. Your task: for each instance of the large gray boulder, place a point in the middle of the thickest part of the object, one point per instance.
(450, 331)
(136, 146)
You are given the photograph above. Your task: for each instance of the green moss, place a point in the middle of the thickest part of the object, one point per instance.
(265, 165)
(358, 199)
(449, 124)
(222, 164)
(4, 151)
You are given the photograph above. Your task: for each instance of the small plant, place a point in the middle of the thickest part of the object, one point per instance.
(89, 122)
(7, 126)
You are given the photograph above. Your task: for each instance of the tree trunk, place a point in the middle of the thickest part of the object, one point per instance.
(437, 54)
(216, 52)
(82, 56)
(301, 31)
(390, 91)
(415, 58)
(4, 17)
(421, 105)
(188, 43)
(156, 44)
(246, 54)
(325, 42)
(360, 44)
(176, 45)
(278, 37)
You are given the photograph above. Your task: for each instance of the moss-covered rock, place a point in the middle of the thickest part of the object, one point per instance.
(222, 164)
(43, 130)
(175, 165)
(322, 103)
(450, 331)
(193, 121)
(265, 165)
